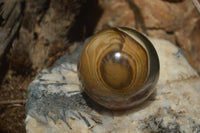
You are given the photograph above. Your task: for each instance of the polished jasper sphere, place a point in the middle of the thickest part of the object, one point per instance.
(118, 68)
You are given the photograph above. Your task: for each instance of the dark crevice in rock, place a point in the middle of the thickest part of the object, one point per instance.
(140, 24)
(45, 9)
(155, 28)
(174, 1)
(85, 22)
(182, 52)
(3, 68)
(177, 42)
(34, 13)
(170, 32)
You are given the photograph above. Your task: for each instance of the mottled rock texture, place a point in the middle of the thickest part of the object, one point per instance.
(10, 21)
(175, 20)
(42, 36)
(56, 103)
(48, 28)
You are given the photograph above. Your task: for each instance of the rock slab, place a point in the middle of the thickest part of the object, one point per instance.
(56, 103)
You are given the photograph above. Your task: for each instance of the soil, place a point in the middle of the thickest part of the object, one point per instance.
(12, 115)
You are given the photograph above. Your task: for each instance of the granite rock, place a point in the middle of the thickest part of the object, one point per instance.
(56, 103)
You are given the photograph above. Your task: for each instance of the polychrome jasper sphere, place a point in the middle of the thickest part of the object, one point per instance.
(118, 68)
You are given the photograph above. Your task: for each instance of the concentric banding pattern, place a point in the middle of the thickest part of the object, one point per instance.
(117, 70)
(115, 66)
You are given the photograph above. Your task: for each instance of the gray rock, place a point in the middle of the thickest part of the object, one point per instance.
(56, 103)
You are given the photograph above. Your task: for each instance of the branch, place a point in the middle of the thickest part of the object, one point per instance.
(13, 102)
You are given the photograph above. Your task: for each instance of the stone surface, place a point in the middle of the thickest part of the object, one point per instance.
(42, 35)
(10, 21)
(174, 20)
(56, 103)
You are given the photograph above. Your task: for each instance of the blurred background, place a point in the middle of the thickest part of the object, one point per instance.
(35, 33)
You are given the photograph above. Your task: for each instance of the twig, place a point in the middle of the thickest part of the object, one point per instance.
(196, 4)
(13, 102)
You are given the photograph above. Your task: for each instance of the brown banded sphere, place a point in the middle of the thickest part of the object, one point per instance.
(118, 68)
